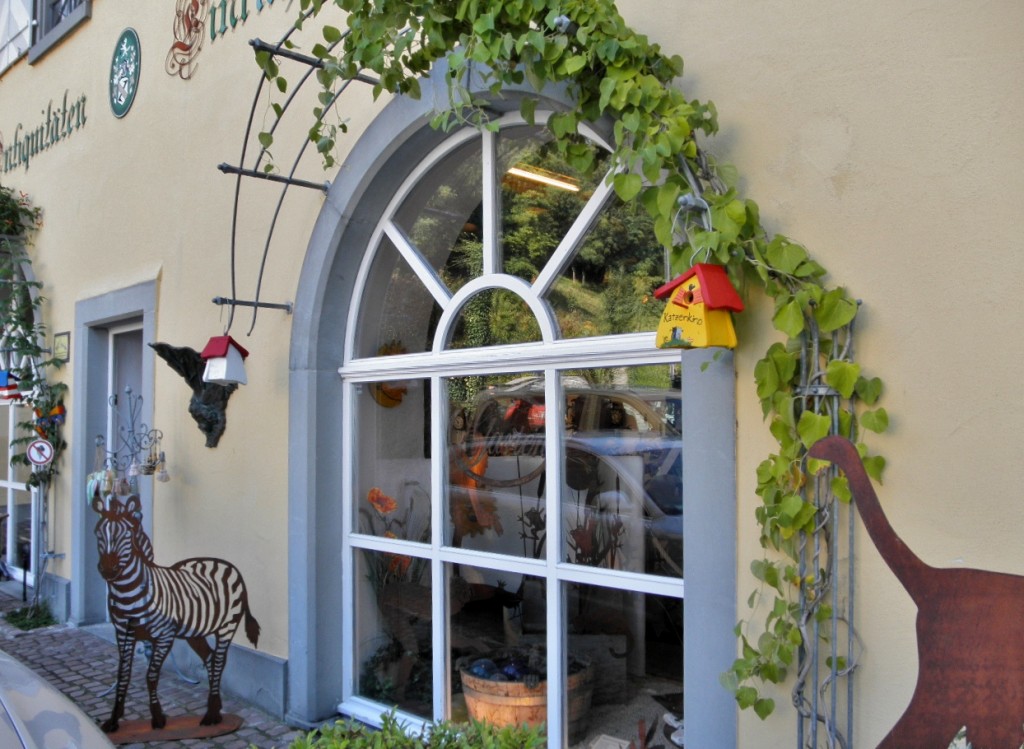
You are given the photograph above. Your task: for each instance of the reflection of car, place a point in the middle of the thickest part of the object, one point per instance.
(34, 715)
(520, 403)
(603, 421)
(622, 464)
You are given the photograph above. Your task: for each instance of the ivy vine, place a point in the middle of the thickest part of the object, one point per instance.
(613, 72)
(24, 358)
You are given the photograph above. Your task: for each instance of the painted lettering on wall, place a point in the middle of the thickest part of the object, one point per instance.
(59, 122)
(194, 19)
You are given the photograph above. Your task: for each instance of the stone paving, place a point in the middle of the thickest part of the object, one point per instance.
(84, 667)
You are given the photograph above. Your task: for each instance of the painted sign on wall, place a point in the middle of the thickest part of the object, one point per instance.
(193, 19)
(58, 123)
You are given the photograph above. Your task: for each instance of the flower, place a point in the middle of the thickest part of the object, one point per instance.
(388, 518)
(381, 502)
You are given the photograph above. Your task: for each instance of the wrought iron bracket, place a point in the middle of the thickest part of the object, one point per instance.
(286, 306)
(229, 169)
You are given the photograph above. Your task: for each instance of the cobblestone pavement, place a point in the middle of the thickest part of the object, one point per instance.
(84, 667)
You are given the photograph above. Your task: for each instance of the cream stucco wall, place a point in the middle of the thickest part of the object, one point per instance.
(884, 136)
(140, 199)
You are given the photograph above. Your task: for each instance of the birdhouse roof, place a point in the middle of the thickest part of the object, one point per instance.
(218, 346)
(716, 289)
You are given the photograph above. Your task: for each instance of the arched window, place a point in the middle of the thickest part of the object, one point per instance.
(512, 448)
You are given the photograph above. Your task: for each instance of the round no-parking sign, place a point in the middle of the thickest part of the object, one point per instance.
(40, 452)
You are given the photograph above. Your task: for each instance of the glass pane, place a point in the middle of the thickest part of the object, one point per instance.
(496, 464)
(622, 479)
(392, 488)
(609, 286)
(393, 631)
(494, 317)
(630, 647)
(5, 439)
(496, 635)
(541, 197)
(442, 216)
(398, 314)
(20, 554)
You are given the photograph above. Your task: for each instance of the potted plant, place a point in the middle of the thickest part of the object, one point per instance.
(510, 689)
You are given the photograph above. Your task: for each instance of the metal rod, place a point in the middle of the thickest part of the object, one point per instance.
(287, 306)
(229, 169)
(313, 62)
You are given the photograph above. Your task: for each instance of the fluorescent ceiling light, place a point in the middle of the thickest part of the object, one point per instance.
(543, 179)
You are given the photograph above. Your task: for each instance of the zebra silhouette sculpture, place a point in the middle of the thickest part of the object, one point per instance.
(191, 600)
(969, 642)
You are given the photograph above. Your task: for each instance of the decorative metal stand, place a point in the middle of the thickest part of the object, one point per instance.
(136, 450)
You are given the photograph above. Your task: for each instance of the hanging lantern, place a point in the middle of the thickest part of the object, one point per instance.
(225, 361)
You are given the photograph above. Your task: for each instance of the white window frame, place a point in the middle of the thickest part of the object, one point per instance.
(10, 489)
(550, 356)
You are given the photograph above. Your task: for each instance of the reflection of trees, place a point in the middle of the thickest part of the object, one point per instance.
(606, 289)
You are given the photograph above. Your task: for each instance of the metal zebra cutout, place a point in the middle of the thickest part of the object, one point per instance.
(190, 600)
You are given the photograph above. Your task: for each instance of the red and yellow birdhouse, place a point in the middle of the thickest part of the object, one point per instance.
(698, 311)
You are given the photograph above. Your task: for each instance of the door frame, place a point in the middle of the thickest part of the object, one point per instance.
(94, 319)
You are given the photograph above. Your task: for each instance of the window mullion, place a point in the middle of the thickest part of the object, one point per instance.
(439, 599)
(555, 604)
(348, 460)
(492, 205)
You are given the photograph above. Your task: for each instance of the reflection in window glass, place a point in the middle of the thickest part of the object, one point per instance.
(400, 317)
(392, 492)
(633, 645)
(442, 216)
(495, 466)
(393, 630)
(541, 197)
(622, 498)
(499, 669)
(495, 317)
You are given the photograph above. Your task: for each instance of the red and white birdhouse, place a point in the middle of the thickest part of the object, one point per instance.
(698, 312)
(225, 361)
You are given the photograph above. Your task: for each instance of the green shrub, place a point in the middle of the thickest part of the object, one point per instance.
(31, 617)
(349, 734)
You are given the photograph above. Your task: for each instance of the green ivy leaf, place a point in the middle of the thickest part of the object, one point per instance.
(834, 311)
(813, 427)
(764, 707)
(628, 186)
(789, 319)
(784, 255)
(841, 489)
(877, 420)
(874, 465)
(527, 108)
(869, 390)
(746, 697)
(842, 375)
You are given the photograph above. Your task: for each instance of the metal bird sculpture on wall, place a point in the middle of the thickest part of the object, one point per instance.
(970, 650)
(209, 400)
